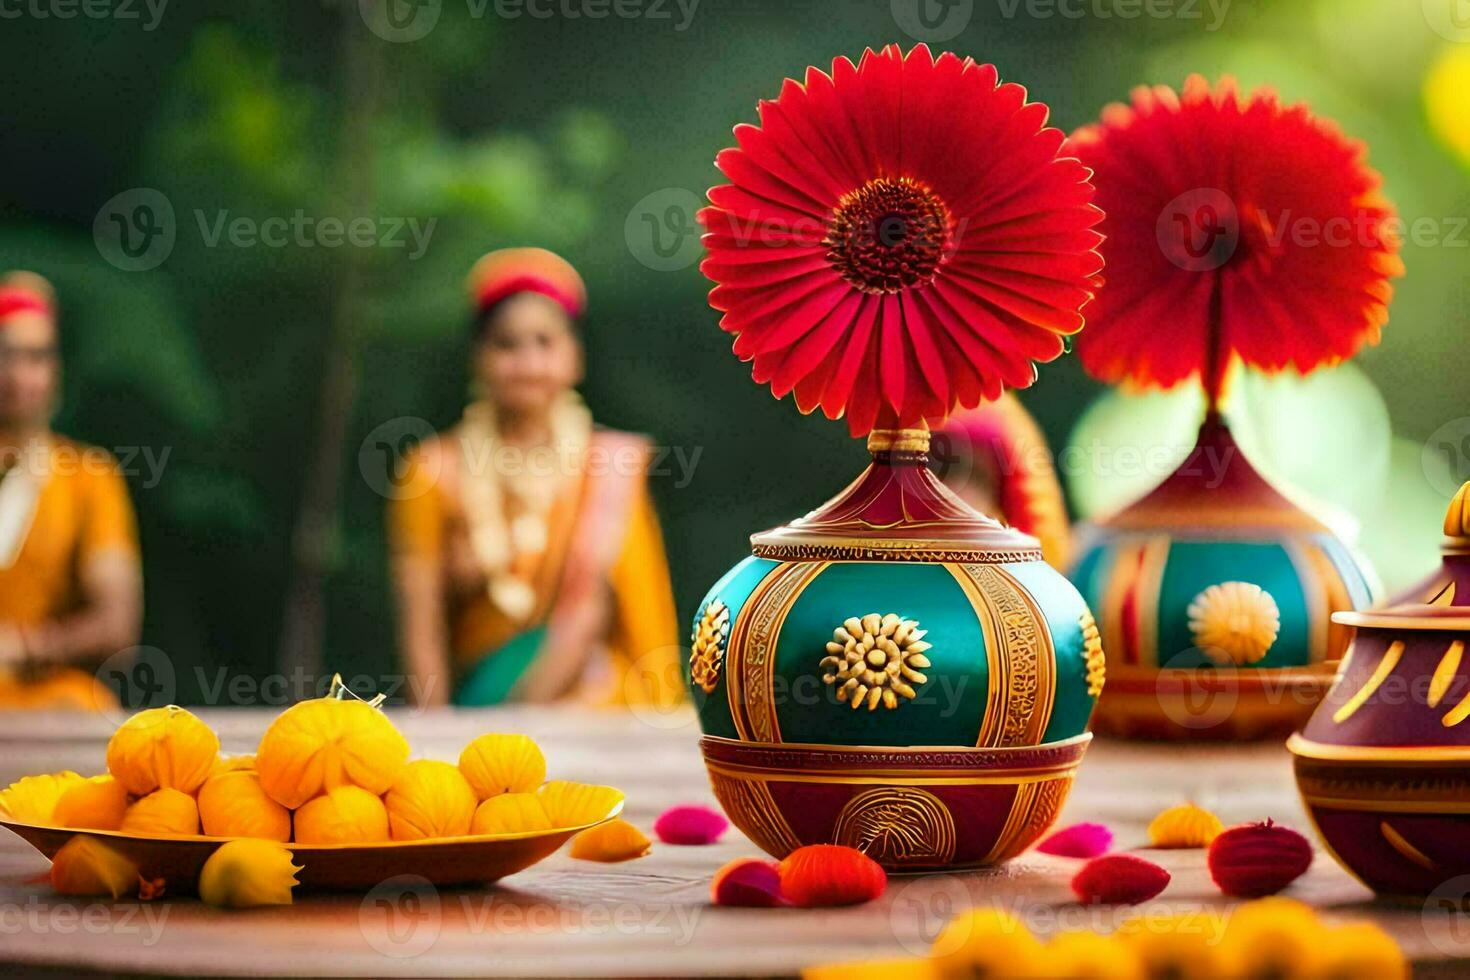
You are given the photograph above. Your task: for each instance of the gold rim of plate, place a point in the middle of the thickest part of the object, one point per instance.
(613, 812)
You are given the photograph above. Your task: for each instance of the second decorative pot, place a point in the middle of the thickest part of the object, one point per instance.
(1215, 596)
(895, 672)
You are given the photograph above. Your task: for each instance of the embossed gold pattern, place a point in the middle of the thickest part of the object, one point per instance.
(707, 647)
(751, 808)
(1020, 654)
(1092, 648)
(749, 677)
(876, 660)
(898, 826)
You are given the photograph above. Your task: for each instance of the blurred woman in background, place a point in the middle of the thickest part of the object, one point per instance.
(527, 557)
(70, 582)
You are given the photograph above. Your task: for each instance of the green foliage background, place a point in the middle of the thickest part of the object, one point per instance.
(545, 130)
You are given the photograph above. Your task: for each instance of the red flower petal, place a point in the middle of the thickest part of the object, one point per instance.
(1218, 211)
(899, 238)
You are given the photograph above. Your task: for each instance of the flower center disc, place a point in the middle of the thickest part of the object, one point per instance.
(888, 235)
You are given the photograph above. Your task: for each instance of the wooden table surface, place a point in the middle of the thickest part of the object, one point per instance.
(650, 916)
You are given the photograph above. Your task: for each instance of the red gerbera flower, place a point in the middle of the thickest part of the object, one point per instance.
(1236, 229)
(899, 238)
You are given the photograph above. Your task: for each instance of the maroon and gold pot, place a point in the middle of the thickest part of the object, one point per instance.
(1383, 764)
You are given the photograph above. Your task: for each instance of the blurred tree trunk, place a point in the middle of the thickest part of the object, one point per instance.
(316, 540)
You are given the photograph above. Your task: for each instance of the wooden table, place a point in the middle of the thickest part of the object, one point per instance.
(646, 917)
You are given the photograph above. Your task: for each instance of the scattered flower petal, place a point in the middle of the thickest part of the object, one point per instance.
(1119, 879)
(1185, 825)
(1080, 840)
(690, 825)
(748, 882)
(1258, 859)
(616, 840)
(830, 874)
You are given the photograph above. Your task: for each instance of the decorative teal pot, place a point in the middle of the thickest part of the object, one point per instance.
(895, 672)
(1215, 596)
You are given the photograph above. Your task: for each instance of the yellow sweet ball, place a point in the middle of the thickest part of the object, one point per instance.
(986, 942)
(510, 813)
(33, 799)
(97, 803)
(87, 866)
(345, 815)
(497, 763)
(430, 799)
(162, 813)
(162, 748)
(248, 873)
(233, 804)
(325, 743)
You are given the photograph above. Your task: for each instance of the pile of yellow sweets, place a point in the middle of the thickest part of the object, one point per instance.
(327, 771)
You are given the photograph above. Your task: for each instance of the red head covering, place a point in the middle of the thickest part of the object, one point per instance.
(509, 271)
(25, 292)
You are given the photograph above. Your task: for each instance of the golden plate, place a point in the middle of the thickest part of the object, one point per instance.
(336, 867)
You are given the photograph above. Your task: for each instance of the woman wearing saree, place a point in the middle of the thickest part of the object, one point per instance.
(527, 557)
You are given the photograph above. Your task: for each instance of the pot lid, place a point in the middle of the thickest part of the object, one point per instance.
(897, 510)
(1444, 601)
(1215, 486)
